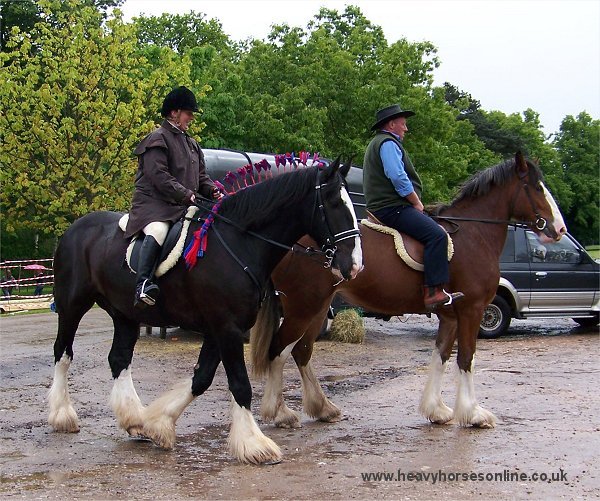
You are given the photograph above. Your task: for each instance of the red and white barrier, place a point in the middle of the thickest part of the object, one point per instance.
(26, 279)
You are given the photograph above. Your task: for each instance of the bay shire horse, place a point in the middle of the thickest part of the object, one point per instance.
(477, 219)
(219, 297)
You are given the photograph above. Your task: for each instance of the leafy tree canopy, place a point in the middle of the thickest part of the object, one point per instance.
(72, 113)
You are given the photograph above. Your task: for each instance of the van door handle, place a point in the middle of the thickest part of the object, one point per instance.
(541, 274)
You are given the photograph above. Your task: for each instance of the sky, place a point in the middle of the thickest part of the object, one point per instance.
(510, 55)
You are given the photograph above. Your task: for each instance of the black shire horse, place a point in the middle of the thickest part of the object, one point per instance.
(220, 297)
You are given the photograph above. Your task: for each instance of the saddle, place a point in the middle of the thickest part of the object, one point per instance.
(409, 249)
(172, 249)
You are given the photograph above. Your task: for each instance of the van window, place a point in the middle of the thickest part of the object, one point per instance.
(508, 253)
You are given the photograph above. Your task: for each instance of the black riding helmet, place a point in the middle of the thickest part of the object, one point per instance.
(180, 98)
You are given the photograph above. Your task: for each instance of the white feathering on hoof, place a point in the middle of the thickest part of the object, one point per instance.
(273, 407)
(246, 442)
(161, 415)
(466, 410)
(432, 406)
(315, 403)
(126, 403)
(62, 416)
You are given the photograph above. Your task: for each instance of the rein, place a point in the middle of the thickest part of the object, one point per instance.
(540, 223)
(328, 250)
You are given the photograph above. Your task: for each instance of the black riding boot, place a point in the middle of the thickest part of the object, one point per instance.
(146, 292)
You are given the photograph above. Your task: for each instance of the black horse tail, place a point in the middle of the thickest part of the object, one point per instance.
(261, 335)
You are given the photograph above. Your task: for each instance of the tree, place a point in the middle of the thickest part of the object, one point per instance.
(72, 114)
(578, 145)
(182, 32)
(24, 14)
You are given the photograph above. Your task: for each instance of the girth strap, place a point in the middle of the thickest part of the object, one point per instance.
(238, 261)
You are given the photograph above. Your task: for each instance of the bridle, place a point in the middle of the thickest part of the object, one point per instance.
(329, 248)
(540, 223)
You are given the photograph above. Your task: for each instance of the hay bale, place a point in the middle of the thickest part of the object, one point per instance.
(347, 327)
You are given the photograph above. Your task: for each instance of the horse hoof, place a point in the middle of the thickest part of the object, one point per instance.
(137, 432)
(161, 436)
(439, 415)
(335, 418)
(64, 420)
(287, 420)
(330, 414)
(259, 451)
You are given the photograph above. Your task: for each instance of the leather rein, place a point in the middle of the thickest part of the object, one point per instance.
(540, 223)
(327, 251)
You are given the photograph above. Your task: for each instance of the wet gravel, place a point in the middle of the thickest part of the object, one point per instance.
(541, 382)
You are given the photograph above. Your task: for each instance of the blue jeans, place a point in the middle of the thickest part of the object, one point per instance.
(407, 219)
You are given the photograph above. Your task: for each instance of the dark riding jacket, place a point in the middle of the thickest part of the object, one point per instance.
(170, 168)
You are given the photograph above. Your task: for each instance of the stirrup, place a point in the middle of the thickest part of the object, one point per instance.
(147, 293)
(454, 296)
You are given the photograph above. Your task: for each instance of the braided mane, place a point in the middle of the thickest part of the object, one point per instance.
(258, 204)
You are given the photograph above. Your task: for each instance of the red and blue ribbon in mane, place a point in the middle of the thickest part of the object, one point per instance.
(197, 246)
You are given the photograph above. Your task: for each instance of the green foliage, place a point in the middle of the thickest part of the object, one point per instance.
(72, 114)
(22, 15)
(181, 32)
(578, 145)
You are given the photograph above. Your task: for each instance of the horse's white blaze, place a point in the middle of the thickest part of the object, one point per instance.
(125, 402)
(466, 410)
(273, 395)
(357, 256)
(432, 406)
(315, 403)
(246, 441)
(559, 224)
(160, 416)
(62, 416)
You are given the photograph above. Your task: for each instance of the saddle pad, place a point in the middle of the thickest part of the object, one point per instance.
(409, 249)
(172, 248)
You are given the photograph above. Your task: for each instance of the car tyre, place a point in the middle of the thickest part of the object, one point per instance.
(496, 319)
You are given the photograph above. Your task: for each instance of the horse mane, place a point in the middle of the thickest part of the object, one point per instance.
(258, 204)
(480, 183)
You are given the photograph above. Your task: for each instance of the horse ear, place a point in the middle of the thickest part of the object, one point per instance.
(346, 167)
(521, 163)
(331, 169)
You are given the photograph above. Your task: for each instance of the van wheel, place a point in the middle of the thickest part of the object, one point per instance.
(496, 319)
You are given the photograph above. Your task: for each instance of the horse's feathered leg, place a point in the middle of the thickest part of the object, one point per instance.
(314, 401)
(246, 441)
(271, 345)
(273, 407)
(161, 415)
(124, 400)
(62, 416)
(466, 410)
(432, 405)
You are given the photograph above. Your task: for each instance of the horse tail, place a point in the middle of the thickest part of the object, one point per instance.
(261, 335)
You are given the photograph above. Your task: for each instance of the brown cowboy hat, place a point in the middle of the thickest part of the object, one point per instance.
(393, 111)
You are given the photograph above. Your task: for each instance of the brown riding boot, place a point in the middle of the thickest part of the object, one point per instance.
(436, 296)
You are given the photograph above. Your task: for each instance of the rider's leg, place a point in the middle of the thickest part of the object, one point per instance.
(409, 220)
(146, 292)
